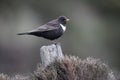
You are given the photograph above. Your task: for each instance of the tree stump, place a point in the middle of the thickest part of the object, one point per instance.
(50, 53)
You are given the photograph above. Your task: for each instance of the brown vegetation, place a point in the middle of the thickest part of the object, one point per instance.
(70, 68)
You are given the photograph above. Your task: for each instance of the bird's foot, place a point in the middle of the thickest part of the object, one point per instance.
(55, 42)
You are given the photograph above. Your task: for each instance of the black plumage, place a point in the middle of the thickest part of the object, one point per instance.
(51, 30)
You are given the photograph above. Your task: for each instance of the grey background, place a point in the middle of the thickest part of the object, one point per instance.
(93, 30)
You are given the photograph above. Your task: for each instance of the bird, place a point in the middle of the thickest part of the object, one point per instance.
(51, 30)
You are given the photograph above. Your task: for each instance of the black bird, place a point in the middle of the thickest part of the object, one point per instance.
(51, 30)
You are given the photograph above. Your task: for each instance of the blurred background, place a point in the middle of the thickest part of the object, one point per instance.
(93, 30)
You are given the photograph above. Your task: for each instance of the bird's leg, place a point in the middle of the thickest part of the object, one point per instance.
(55, 42)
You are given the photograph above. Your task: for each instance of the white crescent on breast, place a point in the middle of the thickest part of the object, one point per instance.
(63, 27)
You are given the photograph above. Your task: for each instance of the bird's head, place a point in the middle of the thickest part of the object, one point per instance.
(63, 20)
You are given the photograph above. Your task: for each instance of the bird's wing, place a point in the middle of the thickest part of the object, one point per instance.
(52, 25)
(47, 27)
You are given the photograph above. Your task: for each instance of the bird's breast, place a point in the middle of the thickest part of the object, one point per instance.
(63, 27)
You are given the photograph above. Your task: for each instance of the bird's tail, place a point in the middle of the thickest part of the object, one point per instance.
(26, 33)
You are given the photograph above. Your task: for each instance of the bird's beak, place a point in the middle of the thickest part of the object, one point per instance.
(67, 19)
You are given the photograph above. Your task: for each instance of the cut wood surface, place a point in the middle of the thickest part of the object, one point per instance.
(50, 52)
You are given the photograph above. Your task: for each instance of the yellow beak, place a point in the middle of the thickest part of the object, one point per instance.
(67, 19)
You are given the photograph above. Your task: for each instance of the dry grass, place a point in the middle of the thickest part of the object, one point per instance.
(73, 68)
(70, 68)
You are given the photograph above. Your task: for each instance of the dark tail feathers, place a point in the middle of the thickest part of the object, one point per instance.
(22, 33)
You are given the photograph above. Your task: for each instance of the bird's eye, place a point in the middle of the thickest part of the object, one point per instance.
(63, 19)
